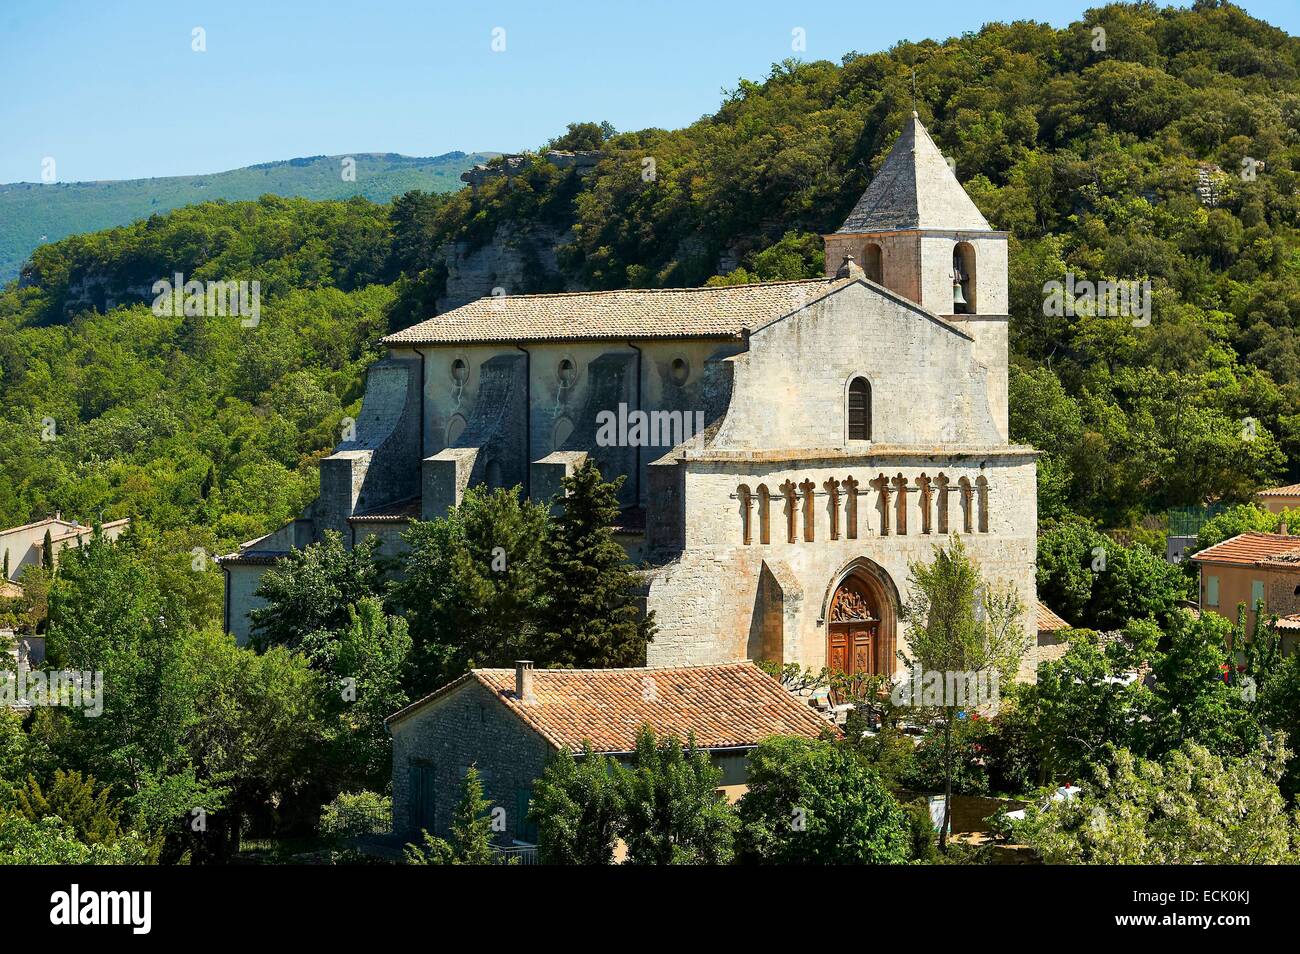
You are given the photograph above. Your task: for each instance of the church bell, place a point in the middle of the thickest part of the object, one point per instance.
(958, 296)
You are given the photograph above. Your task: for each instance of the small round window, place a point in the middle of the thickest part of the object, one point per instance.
(679, 371)
(460, 371)
(567, 372)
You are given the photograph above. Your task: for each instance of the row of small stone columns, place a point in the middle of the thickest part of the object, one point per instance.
(892, 494)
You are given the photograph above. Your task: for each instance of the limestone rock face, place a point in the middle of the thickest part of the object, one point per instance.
(518, 260)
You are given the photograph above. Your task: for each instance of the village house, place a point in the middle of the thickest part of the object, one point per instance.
(21, 547)
(1277, 499)
(852, 424)
(1259, 570)
(508, 722)
(1052, 634)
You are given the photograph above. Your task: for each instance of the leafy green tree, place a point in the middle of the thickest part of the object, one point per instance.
(470, 587)
(1067, 553)
(50, 841)
(362, 668)
(796, 256)
(262, 743)
(1279, 710)
(1196, 692)
(1191, 807)
(1136, 584)
(582, 136)
(313, 589)
(959, 761)
(1093, 581)
(576, 809)
(591, 618)
(817, 802)
(960, 623)
(471, 831)
(1087, 699)
(673, 812)
(108, 616)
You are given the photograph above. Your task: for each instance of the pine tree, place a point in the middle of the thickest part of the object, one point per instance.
(471, 831)
(591, 618)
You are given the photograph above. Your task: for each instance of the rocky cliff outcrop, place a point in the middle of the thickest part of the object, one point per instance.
(517, 260)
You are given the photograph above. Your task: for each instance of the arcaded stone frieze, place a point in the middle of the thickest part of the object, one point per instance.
(919, 504)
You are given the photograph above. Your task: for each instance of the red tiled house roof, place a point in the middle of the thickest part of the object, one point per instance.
(1048, 621)
(1290, 490)
(1254, 549)
(728, 706)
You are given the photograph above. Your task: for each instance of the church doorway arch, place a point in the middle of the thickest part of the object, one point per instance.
(861, 622)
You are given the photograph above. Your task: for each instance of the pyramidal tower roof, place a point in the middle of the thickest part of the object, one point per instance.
(915, 189)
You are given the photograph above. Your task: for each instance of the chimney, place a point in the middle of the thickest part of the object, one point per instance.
(850, 269)
(524, 681)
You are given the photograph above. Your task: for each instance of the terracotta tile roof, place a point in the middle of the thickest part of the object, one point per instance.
(716, 312)
(725, 706)
(1288, 622)
(1047, 620)
(1254, 549)
(1290, 490)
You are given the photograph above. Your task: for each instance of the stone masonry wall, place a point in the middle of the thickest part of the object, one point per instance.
(791, 386)
(706, 599)
(466, 727)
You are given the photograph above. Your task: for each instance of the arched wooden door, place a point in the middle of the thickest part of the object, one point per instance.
(854, 643)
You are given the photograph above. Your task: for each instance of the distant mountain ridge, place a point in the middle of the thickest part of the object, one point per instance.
(32, 213)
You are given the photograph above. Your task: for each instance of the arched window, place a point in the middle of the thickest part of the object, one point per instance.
(859, 410)
(963, 279)
(872, 265)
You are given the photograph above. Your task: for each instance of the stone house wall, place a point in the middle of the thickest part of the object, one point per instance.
(468, 726)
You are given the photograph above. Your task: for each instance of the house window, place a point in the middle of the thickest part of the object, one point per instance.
(525, 830)
(1211, 591)
(859, 410)
(1256, 594)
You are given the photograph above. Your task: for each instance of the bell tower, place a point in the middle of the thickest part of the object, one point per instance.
(916, 232)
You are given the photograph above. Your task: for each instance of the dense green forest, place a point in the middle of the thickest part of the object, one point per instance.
(208, 432)
(35, 212)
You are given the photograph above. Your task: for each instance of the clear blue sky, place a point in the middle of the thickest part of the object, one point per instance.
(114, 90)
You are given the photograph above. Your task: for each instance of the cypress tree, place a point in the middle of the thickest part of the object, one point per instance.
(47, 552)
(591, 618)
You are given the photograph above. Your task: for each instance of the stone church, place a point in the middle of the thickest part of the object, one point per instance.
(788, 447)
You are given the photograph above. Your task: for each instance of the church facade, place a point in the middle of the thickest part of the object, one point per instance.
(788, 448)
